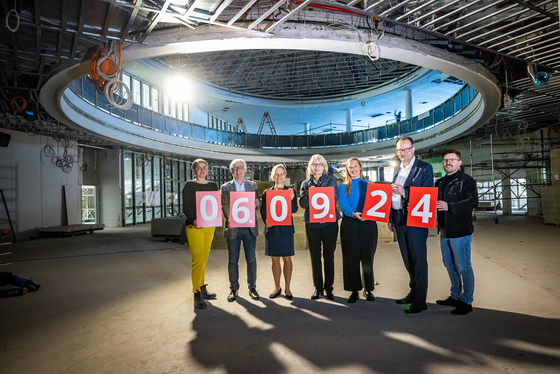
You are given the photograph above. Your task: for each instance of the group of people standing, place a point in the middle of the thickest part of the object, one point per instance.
(457, 196)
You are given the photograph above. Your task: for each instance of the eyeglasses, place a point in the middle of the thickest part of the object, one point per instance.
(236, 168)
(450, 160)
(404, 150)
(318, 165)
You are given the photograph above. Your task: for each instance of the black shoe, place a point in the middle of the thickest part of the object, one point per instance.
(354, 296)
(406, 300)
(254, 294)
(317, 294)
(369, 295)
(330, 296)
(415, 307)
(232, 296)
(205, 294)
(273, 295)
(289, 297)
(447, 302)
(199, 302)
(462, 308)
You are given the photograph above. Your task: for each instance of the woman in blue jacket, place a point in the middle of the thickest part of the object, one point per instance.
(358, 237)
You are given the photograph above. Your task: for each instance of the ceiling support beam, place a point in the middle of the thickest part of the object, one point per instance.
(288, 16)
(266, 14)
(241, 12)
(220, 9)
(155, 21)
(131, 19)
(107, 20)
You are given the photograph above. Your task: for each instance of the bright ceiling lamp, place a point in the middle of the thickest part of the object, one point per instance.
(179, 87)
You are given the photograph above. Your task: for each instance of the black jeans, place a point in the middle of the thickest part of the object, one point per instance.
(359, 243)
(326, 236)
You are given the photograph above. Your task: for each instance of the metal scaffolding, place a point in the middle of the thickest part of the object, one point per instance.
(511, 170)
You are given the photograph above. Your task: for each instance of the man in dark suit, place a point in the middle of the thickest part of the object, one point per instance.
(412, 240)
(234, 236)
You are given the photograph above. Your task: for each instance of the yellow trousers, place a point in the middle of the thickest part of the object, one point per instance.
(200, 241)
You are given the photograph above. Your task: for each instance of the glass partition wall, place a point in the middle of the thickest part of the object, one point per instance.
(152, 186)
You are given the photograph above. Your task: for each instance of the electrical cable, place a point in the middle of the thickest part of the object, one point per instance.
(14, 11)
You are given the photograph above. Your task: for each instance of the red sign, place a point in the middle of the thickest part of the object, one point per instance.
(241, 209)
(278, 207)
(208, 209)
(321, 204)
(422, 203)
(378, 202)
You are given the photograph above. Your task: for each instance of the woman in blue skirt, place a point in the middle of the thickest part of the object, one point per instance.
(279, 240)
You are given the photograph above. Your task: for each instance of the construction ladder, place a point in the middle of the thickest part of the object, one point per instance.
(266, 118)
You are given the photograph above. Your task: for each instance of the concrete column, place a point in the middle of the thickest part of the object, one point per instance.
(506, 195)
(348, 119)
(306, 129)
(407, 104)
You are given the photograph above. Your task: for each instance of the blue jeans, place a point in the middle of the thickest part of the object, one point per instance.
(456, 255)
(234, 247)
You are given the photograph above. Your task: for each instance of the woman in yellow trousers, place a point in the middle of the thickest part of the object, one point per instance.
(199, 238)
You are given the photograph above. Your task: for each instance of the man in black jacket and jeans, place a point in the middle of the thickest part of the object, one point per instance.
(457, 197)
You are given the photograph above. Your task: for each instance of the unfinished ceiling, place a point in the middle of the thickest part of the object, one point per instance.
(504, 36)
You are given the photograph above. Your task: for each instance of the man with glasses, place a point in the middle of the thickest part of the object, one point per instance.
(457, 197)
(412, 240)
(234, 236)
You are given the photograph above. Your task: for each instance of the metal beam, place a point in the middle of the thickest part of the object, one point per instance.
(38, 24)
(288, 16)
(63, 22)
(241, 12)
(155, 21)
(82, 16)
(108, 15)
(131, 19)
(527, 4)
(220, 9)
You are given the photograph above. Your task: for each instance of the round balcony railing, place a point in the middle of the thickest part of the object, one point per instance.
(148, 118)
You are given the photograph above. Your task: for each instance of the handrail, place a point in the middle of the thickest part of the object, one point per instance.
(162, 123)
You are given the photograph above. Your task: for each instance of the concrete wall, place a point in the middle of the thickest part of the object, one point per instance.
(33, 190)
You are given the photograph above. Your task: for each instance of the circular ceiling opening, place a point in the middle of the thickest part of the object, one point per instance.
(297, 75)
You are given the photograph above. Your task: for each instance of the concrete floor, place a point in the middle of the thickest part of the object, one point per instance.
(118, 301)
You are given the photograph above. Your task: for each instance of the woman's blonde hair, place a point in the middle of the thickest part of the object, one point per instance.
(348, 178)
(273, 171)
(319, 158)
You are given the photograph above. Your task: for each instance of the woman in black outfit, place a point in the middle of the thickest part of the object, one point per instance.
(320, 234)
(199, 238)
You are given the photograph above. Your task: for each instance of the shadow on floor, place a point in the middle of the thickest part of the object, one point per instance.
(377, 336)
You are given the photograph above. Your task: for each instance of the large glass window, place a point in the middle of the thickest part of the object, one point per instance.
(176, 190)
(166, 104)
(128, 190)
(148, 190)
(156, 193)
(173, 105)
(127, 81)
(136, 91)
(139, 188)
(155, 99)
(146, 102)
(185, 112)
